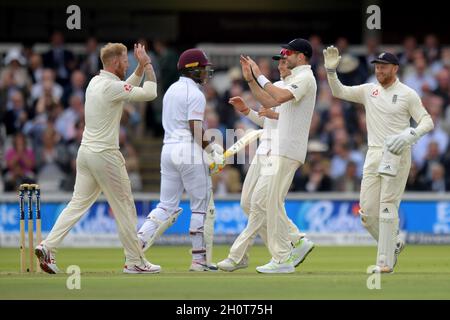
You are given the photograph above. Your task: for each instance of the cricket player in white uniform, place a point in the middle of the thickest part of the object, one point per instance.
(254, 190)
(185, 158)
(288, 148)
(389, 107)
(100, 165)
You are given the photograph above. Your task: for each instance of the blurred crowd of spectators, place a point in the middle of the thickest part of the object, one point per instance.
(42, 115)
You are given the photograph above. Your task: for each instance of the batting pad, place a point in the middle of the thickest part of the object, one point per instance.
(209, 229)
(388, 234)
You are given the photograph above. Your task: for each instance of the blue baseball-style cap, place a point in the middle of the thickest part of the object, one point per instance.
(386, 58)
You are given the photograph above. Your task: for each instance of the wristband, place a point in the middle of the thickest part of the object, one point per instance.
(147, 64)
(246, 111)
(262, 80)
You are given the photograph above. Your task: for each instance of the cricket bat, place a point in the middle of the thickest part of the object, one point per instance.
(241, 143)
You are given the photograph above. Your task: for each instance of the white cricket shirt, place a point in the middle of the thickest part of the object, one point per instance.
(295, 115)
(267, 124)
(182, 102)
(105, 97)
(388, 111)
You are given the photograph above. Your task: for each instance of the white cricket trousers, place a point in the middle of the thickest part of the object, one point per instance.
(378, 189)
(183, 168)
(96, 172)
(255, 193)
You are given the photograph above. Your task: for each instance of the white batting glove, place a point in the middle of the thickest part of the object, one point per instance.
(397, 143)
(331, 58)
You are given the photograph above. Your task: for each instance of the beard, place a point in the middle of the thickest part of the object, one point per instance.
(384, 79)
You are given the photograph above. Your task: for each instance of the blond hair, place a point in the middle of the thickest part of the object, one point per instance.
(110, 51)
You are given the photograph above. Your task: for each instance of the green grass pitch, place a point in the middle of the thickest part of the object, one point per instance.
(423, 272)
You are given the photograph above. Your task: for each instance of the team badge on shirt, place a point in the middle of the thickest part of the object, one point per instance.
(394, 98)
(127, 87)
(374, 93)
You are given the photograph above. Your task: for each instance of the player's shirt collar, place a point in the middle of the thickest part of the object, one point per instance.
(188, 80)
(297, 70)
(393, 85)
(108, 74)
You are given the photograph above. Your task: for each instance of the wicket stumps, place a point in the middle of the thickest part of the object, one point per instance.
(29, 189)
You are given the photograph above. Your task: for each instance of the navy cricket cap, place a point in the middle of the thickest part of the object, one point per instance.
(386, 58)
(300, 45)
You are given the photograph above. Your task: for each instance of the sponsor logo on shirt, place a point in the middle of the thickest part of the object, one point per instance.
(127, 87)
(294, 86)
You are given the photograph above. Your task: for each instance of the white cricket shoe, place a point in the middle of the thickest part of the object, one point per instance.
(384, 269)
(47, 259)
(301, 250)
(229, 265)
(275, 267)
(201, 265)
(398, 249)
(144, 268)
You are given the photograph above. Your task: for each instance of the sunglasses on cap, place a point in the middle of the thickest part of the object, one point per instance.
(287, 52)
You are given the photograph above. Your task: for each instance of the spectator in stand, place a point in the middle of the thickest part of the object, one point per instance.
(421, 79)
(445, 57)
(16, 118)
(443, 89)
(15, 63)
(446, 164)
(131, 119)
(46, 109)
(432, 49)
(77, 87)
(437, 182)
(317, 181)
(227, 114)
(324, 96)
(20, 163)
(349, 181)
(415, 182)
(314, 130)
(227, 181)
(316, 59)
(48, 80)
(72, 151)
(342, 156)
(52, 162)
(212, 122)
(131, 161)
(441, 137)
(35, 68)
(431, 158)
(372, 51)
(211, 95)
(66, 121)
(406, 57)
(167, 61)
(61, 60)
(91, 63)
